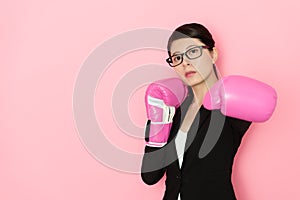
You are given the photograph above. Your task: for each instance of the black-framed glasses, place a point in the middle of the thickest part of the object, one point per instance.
(192, 53)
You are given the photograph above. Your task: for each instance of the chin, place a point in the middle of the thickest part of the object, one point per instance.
(194, 82)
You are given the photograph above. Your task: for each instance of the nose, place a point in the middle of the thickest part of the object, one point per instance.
(185, 61)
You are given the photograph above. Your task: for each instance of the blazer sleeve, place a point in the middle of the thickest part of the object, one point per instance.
(153, 161)
(152, 168)
(239, 126)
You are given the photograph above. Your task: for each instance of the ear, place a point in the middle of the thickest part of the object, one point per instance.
(214, 55)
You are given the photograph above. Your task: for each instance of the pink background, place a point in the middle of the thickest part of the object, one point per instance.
(44, 43)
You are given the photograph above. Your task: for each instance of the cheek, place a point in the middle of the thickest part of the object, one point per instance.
(181, 74)
(203, 65)
(178, 71)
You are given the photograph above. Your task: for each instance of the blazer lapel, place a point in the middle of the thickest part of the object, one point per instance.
(177, 121)
(201, 116)
(195, 133)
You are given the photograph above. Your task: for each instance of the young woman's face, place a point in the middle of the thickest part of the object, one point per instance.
(193, 71)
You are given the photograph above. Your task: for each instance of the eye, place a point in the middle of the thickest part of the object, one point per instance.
(176, 58)
(194, 51)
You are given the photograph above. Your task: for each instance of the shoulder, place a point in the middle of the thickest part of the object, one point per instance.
(238, 125)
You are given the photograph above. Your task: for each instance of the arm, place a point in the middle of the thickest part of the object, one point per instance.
(161, 99)
(151, 162)
(239, 126)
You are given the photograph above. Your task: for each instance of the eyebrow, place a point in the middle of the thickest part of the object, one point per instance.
(177, 52)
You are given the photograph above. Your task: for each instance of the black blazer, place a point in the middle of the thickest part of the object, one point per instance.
(200, 177)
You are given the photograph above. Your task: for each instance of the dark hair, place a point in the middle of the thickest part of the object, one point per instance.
(192, 30)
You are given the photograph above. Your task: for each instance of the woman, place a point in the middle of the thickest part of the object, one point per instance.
(180, 127)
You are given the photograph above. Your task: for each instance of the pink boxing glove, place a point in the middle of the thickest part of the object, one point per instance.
(243, 98)
(161, 99)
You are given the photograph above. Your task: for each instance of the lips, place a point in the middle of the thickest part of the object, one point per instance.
(190, 73)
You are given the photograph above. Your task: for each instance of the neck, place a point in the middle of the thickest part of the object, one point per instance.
(201, 88)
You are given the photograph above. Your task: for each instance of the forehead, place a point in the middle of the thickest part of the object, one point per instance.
(182, 44)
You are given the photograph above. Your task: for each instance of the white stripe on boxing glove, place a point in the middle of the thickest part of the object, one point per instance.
(168, 111)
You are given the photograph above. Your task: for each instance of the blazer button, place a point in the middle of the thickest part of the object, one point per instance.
(178, 176)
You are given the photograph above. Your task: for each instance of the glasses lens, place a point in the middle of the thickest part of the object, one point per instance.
(194, 52)
(176, 60)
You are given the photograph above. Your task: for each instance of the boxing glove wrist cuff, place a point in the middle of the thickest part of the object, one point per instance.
(155, 144)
